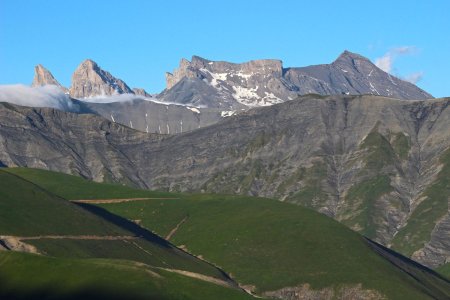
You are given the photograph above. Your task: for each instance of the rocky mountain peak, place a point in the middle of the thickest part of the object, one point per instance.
(42, 76)
(89, 80)
(350, 56)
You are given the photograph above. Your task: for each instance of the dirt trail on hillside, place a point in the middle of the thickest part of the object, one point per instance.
(117, 200)
(200, 277)
(17, 243)
(78, 237)
(173, 231)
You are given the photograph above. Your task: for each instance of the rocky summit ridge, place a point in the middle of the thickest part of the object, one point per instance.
(234, 86)
(266, 82)
(89, 80)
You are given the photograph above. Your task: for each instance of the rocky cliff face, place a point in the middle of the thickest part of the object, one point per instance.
(89, 80)
(227, 85)
(266, 82)
(376, 164)
(352, 74)
(42, 76)
(154, 117)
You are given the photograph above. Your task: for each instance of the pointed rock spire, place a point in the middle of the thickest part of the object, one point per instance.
(42, 76)
(89, 80)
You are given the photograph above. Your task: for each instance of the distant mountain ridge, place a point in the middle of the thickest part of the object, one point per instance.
(88, 81)
(266, 82)
(233, 86)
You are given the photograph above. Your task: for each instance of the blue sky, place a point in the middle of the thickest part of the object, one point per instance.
(138, 41)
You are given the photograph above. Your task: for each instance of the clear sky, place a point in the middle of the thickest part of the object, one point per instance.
(138, 41)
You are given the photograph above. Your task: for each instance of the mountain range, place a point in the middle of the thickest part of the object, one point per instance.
(205, 83)
(346, 139)
(202, 92)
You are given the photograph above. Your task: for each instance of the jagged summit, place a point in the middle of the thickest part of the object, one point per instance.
(350, 56)
(42, 77)
(89, 80)
(265, 82)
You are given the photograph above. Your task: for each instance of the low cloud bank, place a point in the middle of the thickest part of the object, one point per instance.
(42, 96)
(114, 98)
(54, 97)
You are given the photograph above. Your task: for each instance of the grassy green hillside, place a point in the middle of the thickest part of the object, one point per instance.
(73, 187)
(445, 270)
(265, 245)
(60, 228)
(28, 210)
(27, 276)
(271, 245)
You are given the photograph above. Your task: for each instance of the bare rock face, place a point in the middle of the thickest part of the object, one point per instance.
(227, 85)
(266, 82)
(141, 92)
(153, 117)
(89, 80)
(42, 77)
(352, 74)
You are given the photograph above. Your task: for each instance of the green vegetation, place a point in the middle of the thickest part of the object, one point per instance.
(312, 192)
(263, 243)
(401, 145)
(74, 188)
(27, 276)
(27, 210)
(444, 270)
(381, 152)
(138, 250)
(424, 218)
(270, 244)
(360, 212)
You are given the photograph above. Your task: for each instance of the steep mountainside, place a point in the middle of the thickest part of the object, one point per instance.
(155, 117)
(89, 80)
(266, 82)
(376, 164)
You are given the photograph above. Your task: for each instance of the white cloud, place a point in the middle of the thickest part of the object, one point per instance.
(386, 62)
(113, 98)
(52, 96)
(414, 77)
(42, 96)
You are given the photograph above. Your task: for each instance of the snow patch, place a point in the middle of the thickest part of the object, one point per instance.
(193, 109)
(372, 88)
(227, 113)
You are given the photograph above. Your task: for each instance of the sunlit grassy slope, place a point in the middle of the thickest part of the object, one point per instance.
(264, 243)
(27, 276)
(28, 210)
